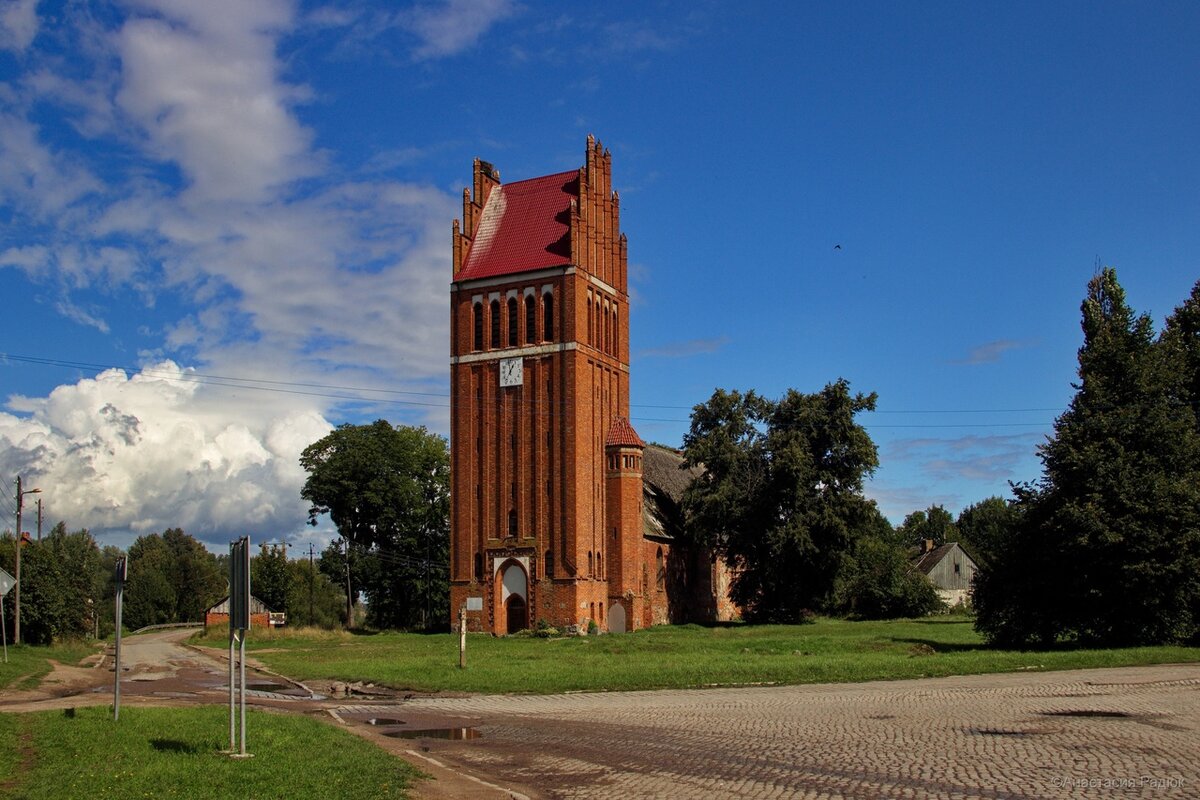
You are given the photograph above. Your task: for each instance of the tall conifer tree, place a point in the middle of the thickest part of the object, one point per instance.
(1107, 548)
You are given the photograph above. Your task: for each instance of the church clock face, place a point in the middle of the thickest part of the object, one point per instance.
(512, 372)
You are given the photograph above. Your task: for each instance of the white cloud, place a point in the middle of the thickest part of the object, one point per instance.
(990, 352)
(18, 24)
(157, 450)
(203, 84)
(328, 280)
(35, 179)
(455, 25)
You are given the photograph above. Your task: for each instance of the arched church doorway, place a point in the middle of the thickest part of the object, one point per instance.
(515, 593)
(616, 618)
(518, 613)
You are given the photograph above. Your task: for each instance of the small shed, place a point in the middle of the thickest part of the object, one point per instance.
(260, 615)
(950, 570)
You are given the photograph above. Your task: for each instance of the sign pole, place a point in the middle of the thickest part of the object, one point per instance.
(462, 637)
(6, 582)
(232, 732)
(239, 621)
(120, 574)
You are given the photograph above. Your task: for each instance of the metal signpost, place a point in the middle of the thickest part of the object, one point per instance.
(6, 582)
(472, 604)
(239, 622)
(120, 575)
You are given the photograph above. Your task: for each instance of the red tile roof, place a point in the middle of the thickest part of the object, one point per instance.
(524, 226)
(622, 434)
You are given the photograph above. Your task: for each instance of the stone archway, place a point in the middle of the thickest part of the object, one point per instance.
(616, 618)
(514, 583)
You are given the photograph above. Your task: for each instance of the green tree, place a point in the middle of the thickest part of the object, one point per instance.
(172, 578)
(1107, 549)
(271, 576)
(781, 497)
(196, 579)
(934, 524)
(880, 582)
(312, 598)
(387, 489)
(149, 597)
(61, 584)
(986, 528)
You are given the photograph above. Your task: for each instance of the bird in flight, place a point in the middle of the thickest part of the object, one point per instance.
(837, 247)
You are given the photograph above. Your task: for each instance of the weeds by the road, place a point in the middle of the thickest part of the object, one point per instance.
(173, 752)
(28, 664)
(669, 657)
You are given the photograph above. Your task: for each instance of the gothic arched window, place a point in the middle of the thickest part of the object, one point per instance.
(478, 312)
(495, 309)
(660, 565)
(547, 317)
(530, 320)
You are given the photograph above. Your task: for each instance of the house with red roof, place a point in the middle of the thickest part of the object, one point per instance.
(559, 511)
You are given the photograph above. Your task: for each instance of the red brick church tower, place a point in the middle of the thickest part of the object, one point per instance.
(546, 510)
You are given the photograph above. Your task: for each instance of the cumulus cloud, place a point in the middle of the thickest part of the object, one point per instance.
(199, 181)
(202, 81)
(159, 449)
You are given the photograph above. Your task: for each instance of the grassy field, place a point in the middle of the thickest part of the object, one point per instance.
(169, 752)
(27, 665)
(668, 657)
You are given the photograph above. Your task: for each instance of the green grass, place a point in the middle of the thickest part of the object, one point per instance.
(169, 752)
(669, 657)
(28, 664)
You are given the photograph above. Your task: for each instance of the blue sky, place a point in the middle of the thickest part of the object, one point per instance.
(245, 208)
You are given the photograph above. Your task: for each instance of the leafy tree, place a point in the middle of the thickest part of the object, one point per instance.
(781, 493)
(880, 582)
(270, 576)
(149, 595)
(934, 524)
(312, 598)
(195, 577)
(387, 489)
(986, 528)
(172, 578)
(61, 585)
(1107, 549)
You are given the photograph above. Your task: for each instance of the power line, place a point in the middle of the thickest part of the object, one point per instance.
(279, 387)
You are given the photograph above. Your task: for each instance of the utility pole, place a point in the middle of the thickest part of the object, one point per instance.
(311, 576)
(349, 599)
(39, 519)
(17, 588)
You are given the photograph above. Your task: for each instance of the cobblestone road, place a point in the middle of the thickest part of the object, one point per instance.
(1131, 732)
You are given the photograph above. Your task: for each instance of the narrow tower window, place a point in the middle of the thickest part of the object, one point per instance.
(495, 309)
(549, 563)
(512, 322)
(547, 317)
(478, 326)
(530, 320)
